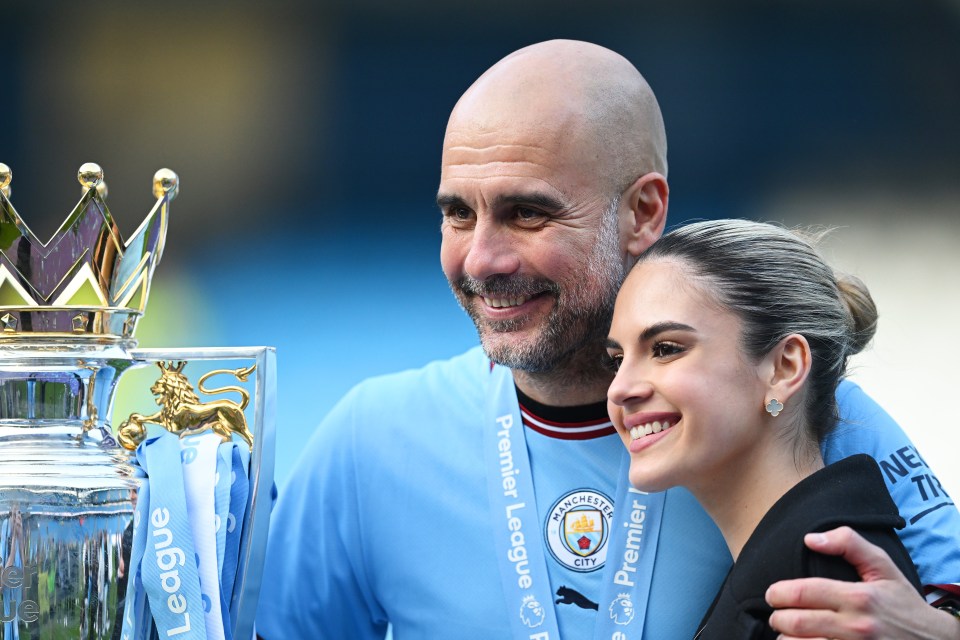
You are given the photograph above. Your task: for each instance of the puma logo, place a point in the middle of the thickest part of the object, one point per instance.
(570, 596)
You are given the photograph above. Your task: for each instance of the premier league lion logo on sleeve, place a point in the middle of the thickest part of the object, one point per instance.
(531, 612)
(621, 609)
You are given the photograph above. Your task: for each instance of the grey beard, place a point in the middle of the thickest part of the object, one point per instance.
(580, 318)
(565, 333)
(577, 320)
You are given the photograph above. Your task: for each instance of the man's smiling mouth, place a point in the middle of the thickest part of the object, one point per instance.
(498, 303)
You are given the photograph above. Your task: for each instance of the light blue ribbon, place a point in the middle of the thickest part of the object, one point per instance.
(162, 454)
(630, 560)
(221, 501)
(199, 455)
(239, 490)
(628, 571)
(169, 564)
(231, 502)
(516, 524)
(136, 612)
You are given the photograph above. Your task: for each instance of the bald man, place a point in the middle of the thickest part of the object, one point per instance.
(486, 496)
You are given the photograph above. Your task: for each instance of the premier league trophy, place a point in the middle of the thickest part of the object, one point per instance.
(160, 531)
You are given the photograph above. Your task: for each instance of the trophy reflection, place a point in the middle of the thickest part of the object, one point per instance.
(160, 531)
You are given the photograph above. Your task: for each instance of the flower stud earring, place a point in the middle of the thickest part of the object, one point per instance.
(774, 407)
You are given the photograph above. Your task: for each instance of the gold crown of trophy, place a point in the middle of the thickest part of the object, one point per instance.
(136, 538)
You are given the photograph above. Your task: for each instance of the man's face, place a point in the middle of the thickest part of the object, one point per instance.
(530, 243)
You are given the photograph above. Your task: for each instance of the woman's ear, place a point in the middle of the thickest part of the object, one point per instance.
(785, 369)
(643, 213)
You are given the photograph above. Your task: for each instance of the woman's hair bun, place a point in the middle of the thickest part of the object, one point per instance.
(861, 309)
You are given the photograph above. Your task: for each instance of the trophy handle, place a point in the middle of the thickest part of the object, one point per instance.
(260, 363)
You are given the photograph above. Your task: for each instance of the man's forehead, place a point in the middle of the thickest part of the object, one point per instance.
(496, 154)
(507, 124)
(504, 174)
(516, 148)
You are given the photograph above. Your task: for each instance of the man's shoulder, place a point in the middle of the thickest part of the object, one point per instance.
(863, 427)
(405, 409)
(457, 383)
(468, 367)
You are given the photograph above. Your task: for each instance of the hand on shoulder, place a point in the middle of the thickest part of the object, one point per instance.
(883, 606)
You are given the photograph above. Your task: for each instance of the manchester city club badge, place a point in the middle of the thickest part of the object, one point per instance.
(577, 528)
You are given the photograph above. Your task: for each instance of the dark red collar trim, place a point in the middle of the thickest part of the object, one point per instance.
(582, 422)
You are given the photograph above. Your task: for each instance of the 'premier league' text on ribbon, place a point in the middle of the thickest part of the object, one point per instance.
(167, 560)
(631, 553)
(518, 550)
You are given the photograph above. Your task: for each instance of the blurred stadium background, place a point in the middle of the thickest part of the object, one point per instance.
(307, 137)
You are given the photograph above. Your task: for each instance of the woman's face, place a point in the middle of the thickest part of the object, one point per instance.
(686, 401)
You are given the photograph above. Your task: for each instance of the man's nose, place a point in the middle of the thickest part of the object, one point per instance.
(492, 252)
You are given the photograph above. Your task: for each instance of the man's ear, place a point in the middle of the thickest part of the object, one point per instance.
(643, 213)
(786, 367)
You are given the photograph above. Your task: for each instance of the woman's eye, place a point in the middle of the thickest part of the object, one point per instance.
(666, 349)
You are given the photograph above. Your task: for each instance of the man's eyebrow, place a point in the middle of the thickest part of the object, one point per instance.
(661, 327)
(533, 198)
(450, 200)
(612, 344)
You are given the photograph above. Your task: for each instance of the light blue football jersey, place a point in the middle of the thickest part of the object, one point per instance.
(386, 518)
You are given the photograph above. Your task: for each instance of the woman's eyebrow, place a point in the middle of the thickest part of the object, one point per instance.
(661, 327)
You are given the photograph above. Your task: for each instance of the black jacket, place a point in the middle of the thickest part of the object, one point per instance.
(850, 492)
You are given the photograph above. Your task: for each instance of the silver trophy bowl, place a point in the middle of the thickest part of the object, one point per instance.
(68, 489)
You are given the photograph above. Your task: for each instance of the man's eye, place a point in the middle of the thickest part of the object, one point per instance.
(528, 215)
(612, 361)
(457, 215)
(666, 349)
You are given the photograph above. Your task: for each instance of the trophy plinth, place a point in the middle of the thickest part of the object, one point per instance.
(75, 558)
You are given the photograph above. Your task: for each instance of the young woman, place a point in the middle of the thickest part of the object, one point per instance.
(728, 340)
